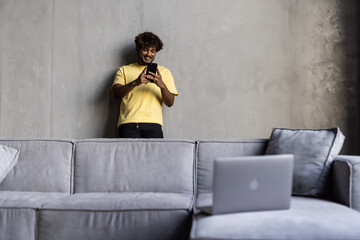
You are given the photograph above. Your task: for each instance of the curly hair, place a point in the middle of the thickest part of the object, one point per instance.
(148, 39)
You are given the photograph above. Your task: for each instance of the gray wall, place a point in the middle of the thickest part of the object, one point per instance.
(241, 67)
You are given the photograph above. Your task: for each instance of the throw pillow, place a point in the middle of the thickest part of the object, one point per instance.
(8, 159)
(313, 150)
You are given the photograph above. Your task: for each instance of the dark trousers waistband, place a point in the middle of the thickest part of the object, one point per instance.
(140, 130)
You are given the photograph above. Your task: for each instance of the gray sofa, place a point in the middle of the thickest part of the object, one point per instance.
(98, 189)
(307, 218)
(151, 189)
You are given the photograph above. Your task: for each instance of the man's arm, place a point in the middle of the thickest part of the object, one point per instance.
(120, 91)
(167, 96)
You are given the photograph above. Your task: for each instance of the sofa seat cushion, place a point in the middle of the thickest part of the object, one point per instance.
(17, 223)
(308, 218)
(202, 200)
(117, 216)
(14, 199)
(18, 213)
(122, 201)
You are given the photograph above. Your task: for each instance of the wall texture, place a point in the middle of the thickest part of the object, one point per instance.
(241, 67)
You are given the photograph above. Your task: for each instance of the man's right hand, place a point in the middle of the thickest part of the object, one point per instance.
(119, 90)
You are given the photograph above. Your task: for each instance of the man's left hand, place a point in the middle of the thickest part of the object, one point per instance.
(167, 96)
(158, 79)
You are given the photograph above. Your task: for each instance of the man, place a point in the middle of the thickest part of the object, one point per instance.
(142, 94)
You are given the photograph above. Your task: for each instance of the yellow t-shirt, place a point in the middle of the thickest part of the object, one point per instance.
(144, 103)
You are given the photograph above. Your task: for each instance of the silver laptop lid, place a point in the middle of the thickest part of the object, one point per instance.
(252, 183)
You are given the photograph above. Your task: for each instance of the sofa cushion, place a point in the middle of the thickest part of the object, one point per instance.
(346, 181)
(12, 199)
(134, 165)
(209, 150)
(314, 152)
(117, 216)
(308, 218)
(8, 159)
(122, 201)
(18, 213)
(17, 224)
(44, 165)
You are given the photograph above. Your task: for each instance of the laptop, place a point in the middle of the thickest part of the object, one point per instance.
(254, 183)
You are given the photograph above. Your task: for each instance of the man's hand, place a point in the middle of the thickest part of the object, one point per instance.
(142, 79)
(119, 90)
(167, 96)
(157, 79)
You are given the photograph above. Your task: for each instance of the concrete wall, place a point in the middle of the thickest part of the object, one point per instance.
(241, 67)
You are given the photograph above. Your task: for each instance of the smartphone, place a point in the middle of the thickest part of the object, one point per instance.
(151, 67)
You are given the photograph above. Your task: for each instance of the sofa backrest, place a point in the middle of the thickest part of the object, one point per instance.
(208, 151)
(44, 165)
(123, 165)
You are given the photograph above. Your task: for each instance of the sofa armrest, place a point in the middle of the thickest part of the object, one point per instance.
(346, 181)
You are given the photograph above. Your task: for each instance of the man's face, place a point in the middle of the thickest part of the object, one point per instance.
(146, 55)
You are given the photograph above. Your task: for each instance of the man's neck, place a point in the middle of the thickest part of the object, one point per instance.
(141, 63)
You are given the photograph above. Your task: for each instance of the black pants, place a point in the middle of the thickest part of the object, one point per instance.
(140, 130)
